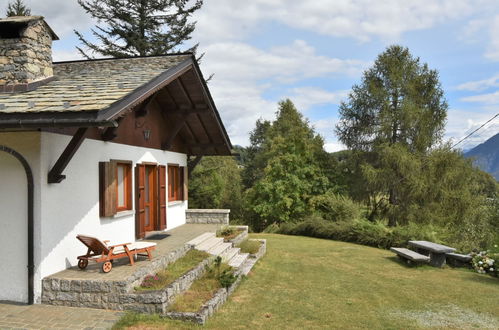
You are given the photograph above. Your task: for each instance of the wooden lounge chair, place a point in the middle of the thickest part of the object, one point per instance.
(99, 251)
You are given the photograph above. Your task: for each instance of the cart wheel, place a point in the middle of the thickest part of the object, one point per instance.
(82, 263)
(107, 266)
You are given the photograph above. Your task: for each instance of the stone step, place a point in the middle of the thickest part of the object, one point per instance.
(200, 239)
(219, 250)
(238, 260)
(230, 253)
(209, 243)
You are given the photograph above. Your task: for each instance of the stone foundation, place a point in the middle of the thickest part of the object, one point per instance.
(117, 295)
(212, 216)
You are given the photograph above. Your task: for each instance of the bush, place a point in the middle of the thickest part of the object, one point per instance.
(250, 246)
(360, 231)
(331, 206)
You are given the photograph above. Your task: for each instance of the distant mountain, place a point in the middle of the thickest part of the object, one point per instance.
(487, 156)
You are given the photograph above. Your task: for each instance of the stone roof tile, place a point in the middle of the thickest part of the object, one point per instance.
(89, 85)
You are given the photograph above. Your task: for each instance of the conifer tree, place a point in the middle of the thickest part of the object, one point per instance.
(18, 8)
(138, 27)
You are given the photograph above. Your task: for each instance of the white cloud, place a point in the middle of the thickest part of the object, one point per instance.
(460, 123)
(480, 85)
(306, 97)
(334, 146)
(358, 19)
(244, 74)
(489, 98)
(62, 16)
(493, 47)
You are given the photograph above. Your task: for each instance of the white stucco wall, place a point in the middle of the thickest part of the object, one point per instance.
(64, 210)
(14, 215)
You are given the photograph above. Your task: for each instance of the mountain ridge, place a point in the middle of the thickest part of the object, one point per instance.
(486, 156)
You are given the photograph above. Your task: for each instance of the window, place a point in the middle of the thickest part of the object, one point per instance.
(177, 183)
(123, 186)
(115, 187)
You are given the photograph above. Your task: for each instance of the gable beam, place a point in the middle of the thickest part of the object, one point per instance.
(191, 165)
(55, 175)
(178, 126)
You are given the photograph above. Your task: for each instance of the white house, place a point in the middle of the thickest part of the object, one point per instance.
(96, 147)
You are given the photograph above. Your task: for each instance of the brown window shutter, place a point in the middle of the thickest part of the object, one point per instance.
(162, 196)
(107, 189)
(140, 213)
(185, 185)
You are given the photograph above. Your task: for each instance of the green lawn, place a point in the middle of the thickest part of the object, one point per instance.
(312, 283)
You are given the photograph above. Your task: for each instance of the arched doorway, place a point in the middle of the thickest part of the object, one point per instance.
(16, 223)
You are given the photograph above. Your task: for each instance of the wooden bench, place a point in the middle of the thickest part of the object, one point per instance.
(458, 260)
(410, 256)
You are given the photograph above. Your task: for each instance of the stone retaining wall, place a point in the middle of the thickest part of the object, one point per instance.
(212, 216)
(221, 296)
(241, 237)
(105, 294)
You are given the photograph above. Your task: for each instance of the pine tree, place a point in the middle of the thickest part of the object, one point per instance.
(138, 27)
(18, 8)
(398, 111)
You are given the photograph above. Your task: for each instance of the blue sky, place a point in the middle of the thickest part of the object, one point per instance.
(312, 52)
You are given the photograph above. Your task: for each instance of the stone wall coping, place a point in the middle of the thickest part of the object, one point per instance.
(225, 211)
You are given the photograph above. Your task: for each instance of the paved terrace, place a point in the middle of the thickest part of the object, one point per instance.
(93, 288)
(173, 240)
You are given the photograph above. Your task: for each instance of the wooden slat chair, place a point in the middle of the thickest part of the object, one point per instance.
(99, 251)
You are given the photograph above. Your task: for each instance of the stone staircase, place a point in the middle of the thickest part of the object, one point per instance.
(216, 246)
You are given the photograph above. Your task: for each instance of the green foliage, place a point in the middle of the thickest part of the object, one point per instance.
(360, 231)
(335, 207)
(286, 170)
(17, 8)
(216, 183)
(399, 100)
(138, 28)
(250, 246)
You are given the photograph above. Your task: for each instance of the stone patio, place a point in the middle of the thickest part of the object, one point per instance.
(16, 316)
(93, 288)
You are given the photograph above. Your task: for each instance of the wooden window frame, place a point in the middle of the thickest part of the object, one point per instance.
(179, 183)
(127, 185)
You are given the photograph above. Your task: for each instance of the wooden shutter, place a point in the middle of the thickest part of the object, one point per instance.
(162, 196)
(140, 213)
(107, 189)
(185, 186)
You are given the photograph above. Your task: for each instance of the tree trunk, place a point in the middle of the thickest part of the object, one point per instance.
(392, 220)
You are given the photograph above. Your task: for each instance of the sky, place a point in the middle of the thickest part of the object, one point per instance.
(313, 52)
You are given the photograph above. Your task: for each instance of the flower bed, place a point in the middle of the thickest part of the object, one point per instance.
(233, 234)
(166, 276)
(483, 263)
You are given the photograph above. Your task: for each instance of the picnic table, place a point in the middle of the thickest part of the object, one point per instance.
(435, 251)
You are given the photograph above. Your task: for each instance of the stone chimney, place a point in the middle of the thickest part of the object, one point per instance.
(25, 53)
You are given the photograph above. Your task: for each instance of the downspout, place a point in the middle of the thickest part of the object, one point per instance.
(31, 259)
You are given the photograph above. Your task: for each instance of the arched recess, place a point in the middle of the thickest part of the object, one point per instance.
(29, 179)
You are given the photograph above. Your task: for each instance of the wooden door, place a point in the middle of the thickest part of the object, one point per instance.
(162, 196)
(150, 197)
(140, 177)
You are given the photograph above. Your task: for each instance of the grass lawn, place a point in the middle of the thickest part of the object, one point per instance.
(312, 283)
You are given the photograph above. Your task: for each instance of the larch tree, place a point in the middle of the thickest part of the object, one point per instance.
(398, 112)
(138, 27)
(18, 8)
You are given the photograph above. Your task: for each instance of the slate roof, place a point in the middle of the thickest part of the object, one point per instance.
(89, 86)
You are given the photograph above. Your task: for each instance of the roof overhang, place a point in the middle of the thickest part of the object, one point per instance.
(109, 116)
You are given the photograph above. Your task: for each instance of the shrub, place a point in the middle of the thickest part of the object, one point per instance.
(361, 231)
(250, 246)
(331, 206)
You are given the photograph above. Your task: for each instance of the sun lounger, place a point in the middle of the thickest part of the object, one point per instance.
(99, 251)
